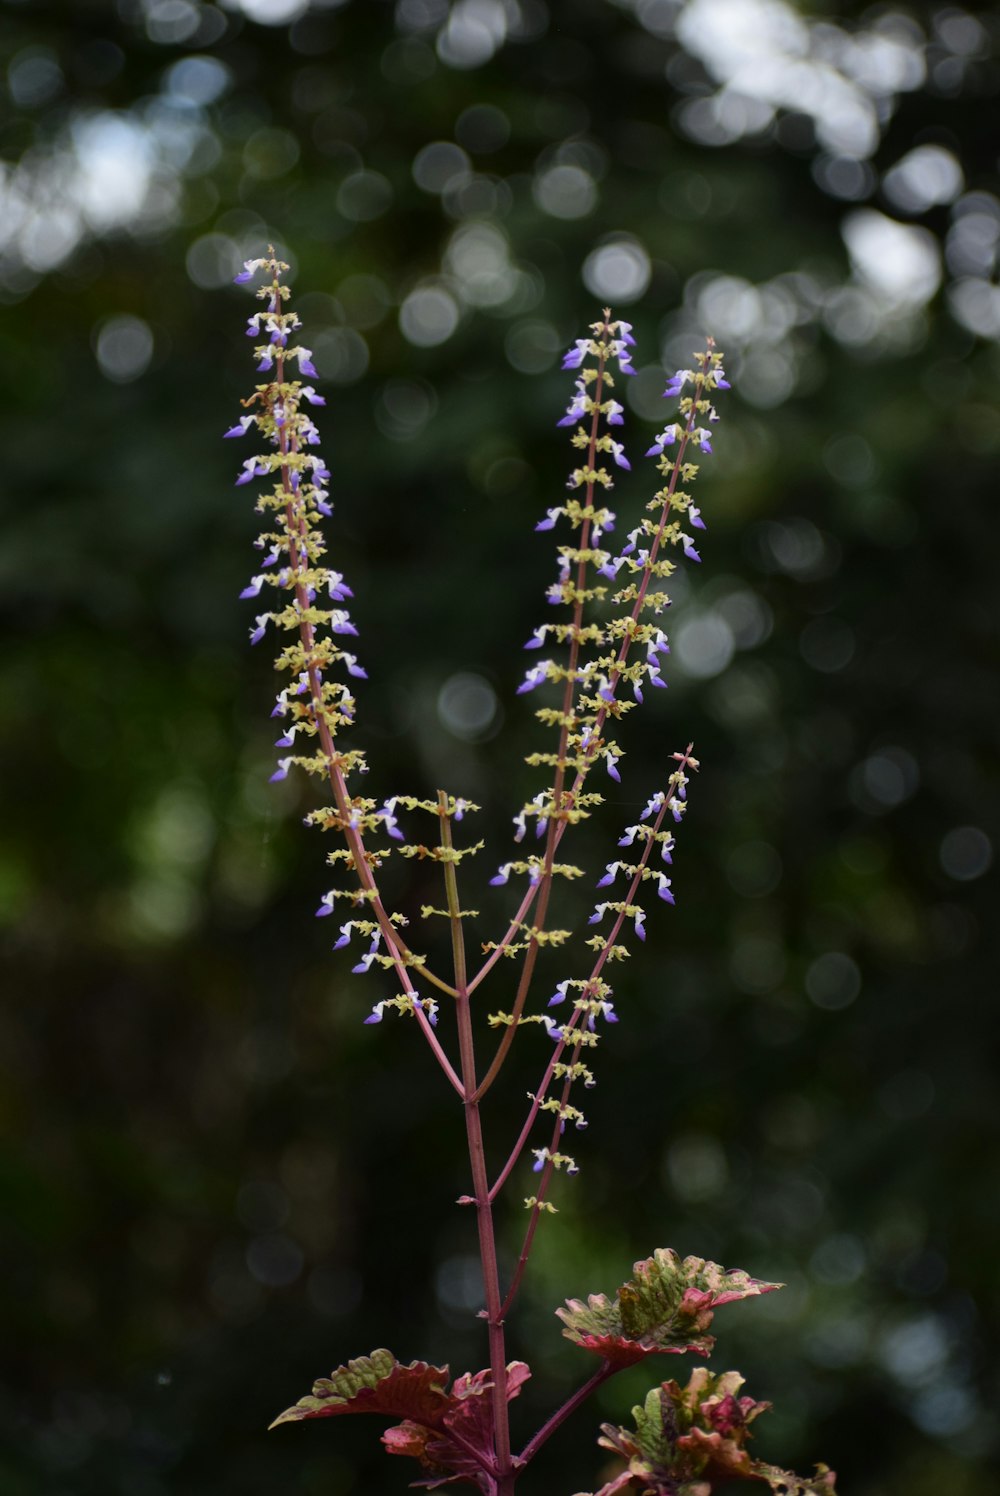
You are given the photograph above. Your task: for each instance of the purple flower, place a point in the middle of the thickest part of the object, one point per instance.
(252, 468)
(538, 637)
(266, 362)
(640, 928)
(533, 678)
(387, 815)
(241, 427)
(308, 393)
(306, 365)
(625, 329)
(615, 414)
(560, 993)
(503, 874)
(611, 567)
(551, 516)
(618, 452)
(610, 875)
(676, 383)
(376, 1013)
(340, 622)
(339, 589)
(256, 634)
(254, 588)
(721, 382)
(666, 438)
(281, 772)
(694, 515)
(345, 932)
(621, 353)
(598, 914)
(576, 355)
(353, 668)
(321, 504)
(689, 550)
(664, 888)
(243, 277)
(653, 805)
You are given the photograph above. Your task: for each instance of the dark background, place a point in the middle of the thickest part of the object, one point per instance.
(216, 1183)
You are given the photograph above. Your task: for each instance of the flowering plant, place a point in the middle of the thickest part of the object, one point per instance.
(609, 647)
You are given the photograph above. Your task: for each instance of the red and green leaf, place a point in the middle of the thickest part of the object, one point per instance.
(665, 1308)
(376, 1384)
(449, 1432)
(687, 1438)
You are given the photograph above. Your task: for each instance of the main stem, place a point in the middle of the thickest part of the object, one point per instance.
(480, 1179)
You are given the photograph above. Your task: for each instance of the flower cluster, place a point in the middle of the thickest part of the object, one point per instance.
(629, 646)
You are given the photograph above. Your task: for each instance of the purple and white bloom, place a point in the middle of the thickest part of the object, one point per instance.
(721, 382)
(253, 590)
(461, 806)
(625, 331)
(676, 383)
(538, 637)
(252, 468)
(281, 772)
(676, 808)
(261, 622)
(551, 516)
(353, 668)
(689, 547)
(618, 452)
(534, 677)
(619, 350)
(668, 847)
(666, 438)
(694, 515)
(339, 590)
(576, 355)
(340, 622)
(657, 644)
(345, 932)
(559, 995)
(307, 392)
(577, 407)
(653, 804)
(703, 438)
(249, 268)
(615, 413)
(599, 912)
(640, 927)
(633, 536)
(631, 832)
(376, 1013)
(611, 567)
(306, 365)
(366, 960)
(288, 736)
(418, 1002)
(611, 873)
(326, 904)
(387, 815)
(266, 362)
(320, 500)
(242, 426)
(503, 873)
(664, 887)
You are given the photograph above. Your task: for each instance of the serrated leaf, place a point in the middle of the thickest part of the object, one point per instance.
(449, 1432)
(685, 1438)
(376, 1384)
(665, 1308)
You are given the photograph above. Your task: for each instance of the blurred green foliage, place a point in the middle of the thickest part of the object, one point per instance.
(215, 1183)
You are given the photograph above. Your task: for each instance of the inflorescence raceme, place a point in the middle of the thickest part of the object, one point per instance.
(608, 638)
(605, 646)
